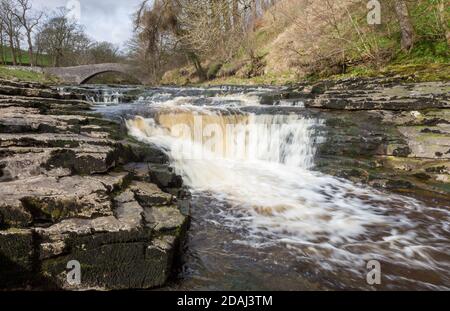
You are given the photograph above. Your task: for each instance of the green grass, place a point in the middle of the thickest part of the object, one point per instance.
(266, 79)
(425, 52)
(419, 72)
(24, 75)
(43, 60)
(427, 61)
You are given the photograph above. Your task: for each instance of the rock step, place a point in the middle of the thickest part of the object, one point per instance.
(134, 247)
(50, 140)
(371, 104)
(28, 120)
(65, 196)
(65, 106)
(43, 199)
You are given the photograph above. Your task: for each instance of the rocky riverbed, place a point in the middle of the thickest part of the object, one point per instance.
(74, 187)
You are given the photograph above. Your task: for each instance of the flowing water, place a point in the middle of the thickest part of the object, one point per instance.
(262, 217)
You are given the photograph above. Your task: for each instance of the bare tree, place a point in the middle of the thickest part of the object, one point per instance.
(29, 21)
(103, 52)
(444, 18)
(10, 25)
(17, 39)
(235, 13)
(2, 44)
(61, 37)
(407, 30)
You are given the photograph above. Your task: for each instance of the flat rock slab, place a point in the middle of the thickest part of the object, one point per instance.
(368, 95)
(164, 218)
(49, 199)
(23, 120)
(149, 195)
(49, 140)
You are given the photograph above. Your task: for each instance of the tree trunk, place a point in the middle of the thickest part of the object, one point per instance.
(30, 49)
(19, 51)
(198, 66)
(235, 13)
(2, 47)
(13, 51)
(56, 60)
(226, 16)
(444, 20)
(406, 27)
(254, 14)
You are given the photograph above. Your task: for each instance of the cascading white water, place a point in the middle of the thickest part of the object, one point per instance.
(107, 97)
(274, 197)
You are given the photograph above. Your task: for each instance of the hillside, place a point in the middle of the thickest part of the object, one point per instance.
(295, 40)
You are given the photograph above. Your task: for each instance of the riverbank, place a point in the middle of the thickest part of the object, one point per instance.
(414, 73)
(75, 187)
(26, 74)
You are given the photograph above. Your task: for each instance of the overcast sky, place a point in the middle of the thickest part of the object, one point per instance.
(104, 20)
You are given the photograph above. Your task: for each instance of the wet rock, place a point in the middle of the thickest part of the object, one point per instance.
(425, 145)
(164, 218)
(149, 195)
(50, 140)
(405, 130)
(164, 177)
(130, 213)
(402, 152)
(356, 175)
(14, 214)
(12, 121)
(422, 176)
(16, 257)
(21, 163)
(115, 252)
(437, 170)
(145, 153)
(46, 105)
(88, 159)
(49, 199)
(399, 184)
(140, 170)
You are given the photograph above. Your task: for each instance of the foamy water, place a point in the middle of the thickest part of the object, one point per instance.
(274, 197)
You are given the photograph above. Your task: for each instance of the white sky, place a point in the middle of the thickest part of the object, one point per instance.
(104, 20)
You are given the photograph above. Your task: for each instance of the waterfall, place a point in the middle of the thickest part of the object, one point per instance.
(267, 175)
(261, 166)
(281, 139)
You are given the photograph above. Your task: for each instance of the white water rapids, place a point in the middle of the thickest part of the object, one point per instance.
(274, 196)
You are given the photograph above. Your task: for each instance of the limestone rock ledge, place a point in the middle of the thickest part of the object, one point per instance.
(386, 132)
(73, 187)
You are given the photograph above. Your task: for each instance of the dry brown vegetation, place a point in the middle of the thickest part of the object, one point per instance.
(190, 41)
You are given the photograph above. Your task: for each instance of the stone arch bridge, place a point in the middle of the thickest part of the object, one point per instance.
(81, 74)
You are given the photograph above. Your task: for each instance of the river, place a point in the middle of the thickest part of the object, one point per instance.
(263, 216)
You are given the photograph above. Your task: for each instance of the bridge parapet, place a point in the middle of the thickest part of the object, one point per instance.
(80, 74)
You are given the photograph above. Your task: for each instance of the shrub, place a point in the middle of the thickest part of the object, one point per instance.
(213, 70)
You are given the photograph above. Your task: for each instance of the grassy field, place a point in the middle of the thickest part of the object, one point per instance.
(25, 75)
(43, 60)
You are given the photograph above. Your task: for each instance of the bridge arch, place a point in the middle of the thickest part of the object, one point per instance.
(80, 74)
(87, 78)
